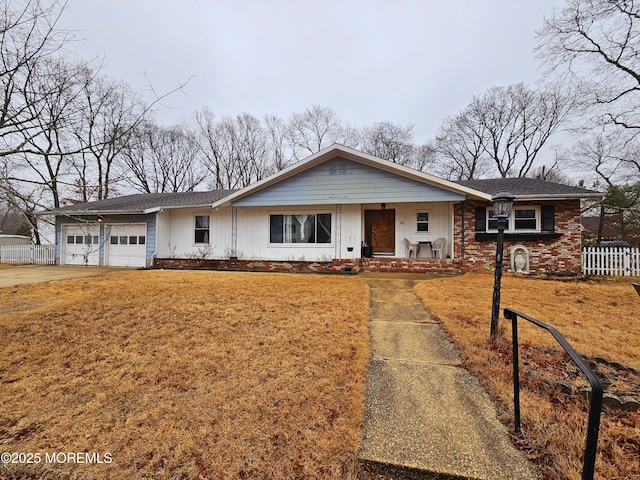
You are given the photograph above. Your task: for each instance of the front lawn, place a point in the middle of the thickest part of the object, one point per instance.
(165, 374)
(599, 318)
(207, 375)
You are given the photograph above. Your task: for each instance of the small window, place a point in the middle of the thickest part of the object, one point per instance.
(133, 240)
(525, 219)
(202, 229)
(141, 240)
(123, 240)
(87, 239)
(79, 239)
(113, 240)
(422, 222)
(96, 239)
(70, 239)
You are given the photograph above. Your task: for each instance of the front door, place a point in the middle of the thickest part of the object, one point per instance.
(380, 230)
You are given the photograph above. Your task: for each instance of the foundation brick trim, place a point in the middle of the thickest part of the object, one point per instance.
(397, 265)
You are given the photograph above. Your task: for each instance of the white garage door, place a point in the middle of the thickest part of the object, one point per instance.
(126, 245)
(80, 245)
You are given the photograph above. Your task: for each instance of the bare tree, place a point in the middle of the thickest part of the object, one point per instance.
(424, 158)
(110, 112)
(208, 142)
(28, 36)
(609, 156)
(12, 221)
(47, 156)
(459, 145)
(276, 134)
(596, 44)
(253, 159)
(162, 159)
(389, 141)
(508, 126)
(316, 128)
(518, 122)
(27, 199)
(236, 150)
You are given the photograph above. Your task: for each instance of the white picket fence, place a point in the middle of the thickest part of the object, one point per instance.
(614, 261)
(35, 254)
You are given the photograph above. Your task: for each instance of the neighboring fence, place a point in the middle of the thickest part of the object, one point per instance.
(615, 261)
(35, 254)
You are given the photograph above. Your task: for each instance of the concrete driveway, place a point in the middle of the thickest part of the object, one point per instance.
(18, 275)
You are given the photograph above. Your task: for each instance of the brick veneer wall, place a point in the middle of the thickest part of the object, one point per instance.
(545, 255)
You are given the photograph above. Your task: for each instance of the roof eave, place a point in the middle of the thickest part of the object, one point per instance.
(67, 213)
(558, 196)
(145, 211)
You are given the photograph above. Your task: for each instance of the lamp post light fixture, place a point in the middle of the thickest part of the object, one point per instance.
(502, 204)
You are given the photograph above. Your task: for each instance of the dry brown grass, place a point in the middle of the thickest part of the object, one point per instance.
(186, 374)
(596, 317)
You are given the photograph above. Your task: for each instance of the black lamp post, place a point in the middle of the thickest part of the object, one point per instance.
(502, 204)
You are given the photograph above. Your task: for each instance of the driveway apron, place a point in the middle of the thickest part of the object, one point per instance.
(424, 411)
(10, 277)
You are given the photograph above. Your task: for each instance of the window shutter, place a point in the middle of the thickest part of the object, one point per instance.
(481, 219)
(548, 218)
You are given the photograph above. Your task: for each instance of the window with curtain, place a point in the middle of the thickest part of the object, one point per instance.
(202, 227)
(300, 228)
(422, 222)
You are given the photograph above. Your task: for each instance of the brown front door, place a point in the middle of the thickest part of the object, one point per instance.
(380, 230)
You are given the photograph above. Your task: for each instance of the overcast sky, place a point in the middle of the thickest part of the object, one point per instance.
(407, 61)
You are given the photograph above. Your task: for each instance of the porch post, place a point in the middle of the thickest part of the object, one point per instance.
(234, 231)
(338, 249)
(462, 232)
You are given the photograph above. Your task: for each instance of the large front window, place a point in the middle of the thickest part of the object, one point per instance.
(303, 228)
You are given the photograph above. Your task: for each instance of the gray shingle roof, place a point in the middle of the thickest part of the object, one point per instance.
(143, 201)
(528, 188)
(138, 203)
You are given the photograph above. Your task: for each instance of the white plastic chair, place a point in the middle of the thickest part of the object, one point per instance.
(438, 247)
(411, 247)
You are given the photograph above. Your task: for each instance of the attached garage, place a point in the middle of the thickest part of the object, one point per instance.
(80, 245)
(126, 245)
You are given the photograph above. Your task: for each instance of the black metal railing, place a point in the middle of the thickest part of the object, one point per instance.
(595, 407)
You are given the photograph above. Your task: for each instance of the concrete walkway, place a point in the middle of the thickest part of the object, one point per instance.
(423, 410)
